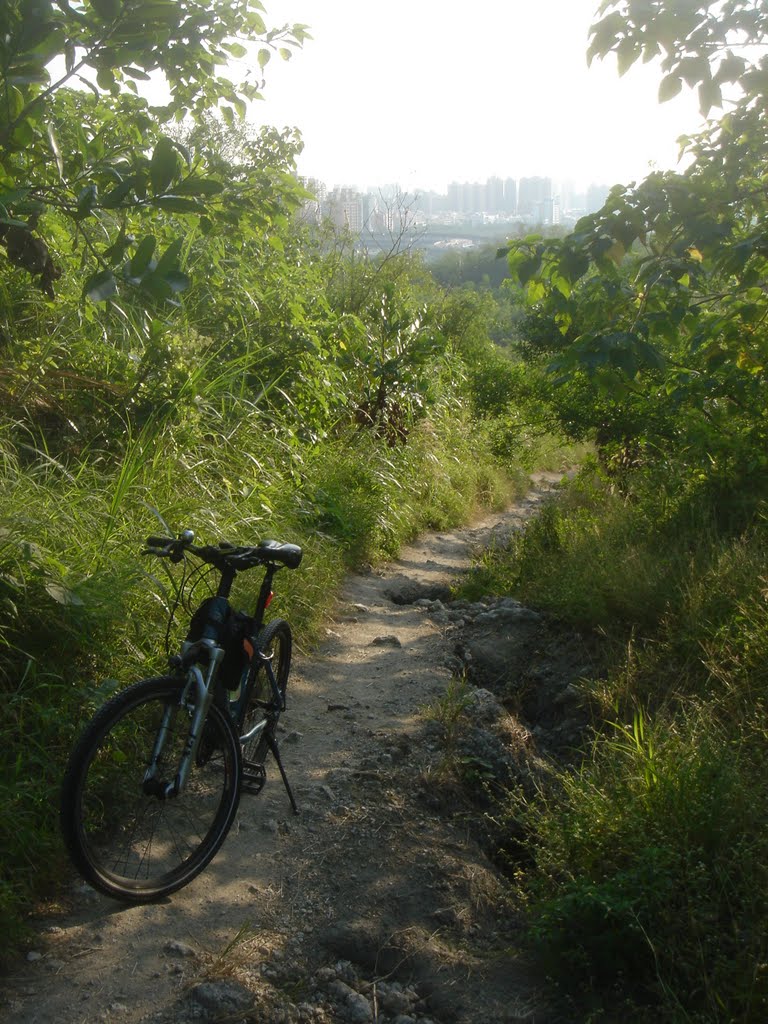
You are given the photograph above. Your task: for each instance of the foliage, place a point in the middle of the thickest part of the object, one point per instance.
(657, 299)
(652, 883)
(644, 868)
(207, 363)
(698, 43)
(479, 268)
(647, 333)
(233, 412)
(98, 164)
(393, 364)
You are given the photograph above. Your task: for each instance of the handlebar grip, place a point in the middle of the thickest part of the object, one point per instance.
(159, 542)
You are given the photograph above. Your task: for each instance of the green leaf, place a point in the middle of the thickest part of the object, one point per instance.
(177, 281)
(86, 200)
(62, 594)
(100, 286)
(115, 196)
(13, 222)
(731, 69)
(670, 87)
(108, 10)
(17, 195)
(25, 135)
(178, 204)
(157, 286)
(170, 258)
(627, 52)
(105, 79)
(709, 96)
(141, 76)
(528, 268)
(605, 35)
(198, 187)
(163, 166)
(28, 74)
(119, 247)
(264, 58)
(142, 256)
(573, 264)
(650, 355)
(694, 70)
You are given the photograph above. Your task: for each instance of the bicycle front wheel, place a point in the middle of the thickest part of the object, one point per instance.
(263, 704)
(125, 836)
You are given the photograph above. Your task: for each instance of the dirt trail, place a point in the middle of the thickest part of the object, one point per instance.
(374, 904)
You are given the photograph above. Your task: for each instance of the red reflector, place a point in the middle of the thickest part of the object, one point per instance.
(269, 600)
(248, 647)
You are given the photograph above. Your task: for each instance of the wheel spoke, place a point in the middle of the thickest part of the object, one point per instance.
(130, 843)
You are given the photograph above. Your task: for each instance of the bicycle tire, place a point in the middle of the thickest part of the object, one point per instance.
(276, 642)
(135, 846)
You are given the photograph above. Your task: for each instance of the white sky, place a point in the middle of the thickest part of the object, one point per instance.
(424, 92)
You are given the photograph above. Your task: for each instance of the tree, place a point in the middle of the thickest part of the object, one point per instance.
(661, 294)
(120, 159)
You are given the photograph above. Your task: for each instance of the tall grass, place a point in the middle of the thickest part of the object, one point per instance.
(78, 606)
(234, 416)
(649, 883)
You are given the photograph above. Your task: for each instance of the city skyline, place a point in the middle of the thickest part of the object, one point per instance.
(463, 215)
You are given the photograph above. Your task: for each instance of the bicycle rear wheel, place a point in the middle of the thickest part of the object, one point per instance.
(124, 836)
(263, 705)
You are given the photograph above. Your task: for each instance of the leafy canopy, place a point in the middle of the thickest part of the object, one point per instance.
(118, 157)
(660, 296)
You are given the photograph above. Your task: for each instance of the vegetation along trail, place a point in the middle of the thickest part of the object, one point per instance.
(371, 905)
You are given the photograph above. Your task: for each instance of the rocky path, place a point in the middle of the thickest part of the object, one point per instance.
(375, 904)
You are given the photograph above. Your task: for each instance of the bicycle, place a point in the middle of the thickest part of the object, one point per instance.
(154, 782)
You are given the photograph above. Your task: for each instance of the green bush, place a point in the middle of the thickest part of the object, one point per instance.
(649, 880)
(651, 875)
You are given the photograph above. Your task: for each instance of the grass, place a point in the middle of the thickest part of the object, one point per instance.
(78, 605)
(450, 712)
(645, 868)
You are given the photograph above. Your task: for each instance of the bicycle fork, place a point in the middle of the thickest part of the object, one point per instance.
(153, 785)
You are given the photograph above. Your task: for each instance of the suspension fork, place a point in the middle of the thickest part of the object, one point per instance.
(202, 690)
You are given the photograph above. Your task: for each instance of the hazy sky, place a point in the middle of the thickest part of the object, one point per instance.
(424, 92)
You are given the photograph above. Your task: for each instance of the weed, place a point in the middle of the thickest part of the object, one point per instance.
(647, 876)
(450, 712)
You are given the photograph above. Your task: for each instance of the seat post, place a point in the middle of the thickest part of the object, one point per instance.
(264, 593)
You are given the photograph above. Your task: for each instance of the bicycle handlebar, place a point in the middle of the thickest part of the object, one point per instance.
(225, 556)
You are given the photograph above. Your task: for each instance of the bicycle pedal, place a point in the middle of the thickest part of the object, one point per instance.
(253, 778)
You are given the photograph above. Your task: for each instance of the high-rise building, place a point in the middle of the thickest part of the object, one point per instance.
(534, 199)
(510, 196)
(596, 196)
(344, 208)
(494, 195)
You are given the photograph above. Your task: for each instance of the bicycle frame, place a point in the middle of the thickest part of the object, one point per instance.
(259, 660)
(204, 687)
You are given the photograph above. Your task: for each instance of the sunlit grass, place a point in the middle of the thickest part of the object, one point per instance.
(79, 605)
(648, 887)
